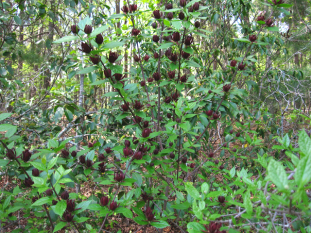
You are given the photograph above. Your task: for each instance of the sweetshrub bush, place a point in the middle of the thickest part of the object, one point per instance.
(178, 145)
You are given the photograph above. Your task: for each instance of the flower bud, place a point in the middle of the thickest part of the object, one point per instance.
(119, 176)
(188, 40)
(261, 18)
(90, 145)
(107, 73)
(34, 199)
(216, 161)
(167, 99)
(190, 9)
(192, 165)
(156, 151)
(85, 48)
(113, 56)
(168, 52)
(252, 38)
(127, 143)
(138, 155)
(26, 155)
(146, 133)
(185, 55)
(113, 205)
(150, 80)
(89, 163)
(146, 124)
(104, 201)
(183, 3)
(211, 155)
(125, 107)
(277, 2)
(221, 199)
(108, 150)
(172, 156)
(118, 77)
(133, 7)
(135, 32)
(146, 57)
(74, 153)
(171, 74)
(231, 131)
(156, 76)
(71, 205)
(215, 116)
(49, 192)
(183, 78)
(137, 105)
(54, 202)
(156, 55)
(237, 135)
(241, 66)
(68, 216)
(175, 96)
(136, 58)
(135, 140)
(88, 29)
(221, 167)
(209, 91)
(11, 154)
(269, 22)
(95, 59)
(169, 6)
(234, 150)
(64, 195)
(225, 144)
(35, 172)
(154, 25)
(184, 160)
(196, 6)
(149, 214)
(176, 36)
(82, 159)
(127, 151)
(169, 115)
(226, 87)
(28, 182)
(181, 15)
(233, 63)
(155, 38)
(174, 57)
(209, 112)
(170, 15)
(197, 24)
(99, 39)
(65, 153)
(125, 9)
(74, 29)
(137, 119)
(157, 14)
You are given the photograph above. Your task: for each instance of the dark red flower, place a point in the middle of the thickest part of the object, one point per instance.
(104, 201)
(89, 163)
(234, 150)
(65, 153)
(170, 15)
(71, 205)
(143, 83)
(154, 25)
(233, 63)
(252, 38)
(26, 155)
(261, 18)
(82, 159)
(181, 15)
(136, 58)
(175, 36)
(184, 160)
(157, 14)
(95, 59)
(113, 56)
(169, 115)
(90, 145)
(168, 52)
(172, 155)
(155, 38)
(137, 105)
(169, 6)
(138, 155)
(183, 3)
(241, 66)
(209, 112)
(149, 214)
(175, 96)
(101, 157)
(196, 6)
(174, 57)
(221, 167)
(216, 161)
(146, 133)
(156, 151)
(127, 151)
(74, 153)
(156, 76)
(28, 182)
(171, 74)
(226, 87)
(54, 202)
(119, 176)
(146, 124)
(64, 195)
(49, 192)
(167, 99)
(183, 78)
(113, 205)
(190, 9)
(125, 107)
(188, 40)
(221, 199)
(197, 24)
(192, 165)
(211, 155)
(135, 140)
(34, 199)
(68, 216)
(108, 150)
(107, 73)
(35, 172)
(185, 55)
(213, 227)
(74, 29)
(127, 143)
(277, 2)
(99, 39)
(237, 134)
(231, 131)
(118, 77)
(225, 144)
(85, 48)
(146, 57)
(11, 153)
(269, 22)
(88, 29)
(156, 55)
(135, 32)
(133, 8)
(215, 116)
(125, 9)
(150, 80)
(137, 119)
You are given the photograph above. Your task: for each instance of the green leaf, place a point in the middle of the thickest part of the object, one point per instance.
(243, 40)
(6, 202)
(126, 212)
(248, 203)
(205, 188)
(60, 207)
(41, 201)
(11, 131)
(277, 174)
(6, 127)
(60, 226)
(17, 20)
(87, 70)
(195, 226)
(232, 172)
(293, 157)
(304, 142)
(113, 44)
(4, 162)
(65, 39)
(4, 116)
(165, 46)
(83, 206)
(38, 165)
(192, 190)
(182, 206)
(95, 207)
(193, 64)
(273, 29)
(98, 82)
(160, 224)
(285, 5)
(303, 172)
(99, 30)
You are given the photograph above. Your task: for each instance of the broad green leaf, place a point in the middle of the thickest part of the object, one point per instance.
(4, 162)
(192, 190)
(98, 82)
(6, 127)
(303, 172)
(65, 39)
(248, 203)
(52, 162)
(60, 207)
(285, 5)
(41, 201)
(273, 29)
(113, 44)
(59, 226)
(17, 20)
(160, 224)
(11, 131)
(99, 30)
(126, 212)
(4, 116)
(277, 174)
(243, 40)
(87, 70)
(181, 206)
(165, 46)
(205, 188)
(193, 64)
(304, 142)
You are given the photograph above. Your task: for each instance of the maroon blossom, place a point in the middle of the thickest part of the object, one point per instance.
(138, 155)
(185, 55)
(156, 76)
(125, 107)
(155, 38)
(113, 56)
(135, 32)
(157, 14)
(226, 87)
(113, 205)
(88, 29)
(171, 74)
(188, 40)
(146, 133)
(107, 73)
(74, 29)
(181, 15)
(99, 39)
(233, 63)
(85, 47)
(125, 9)
(241, 66)
(108, 150)
(183, 78)
(104, 201)
(175, 36)
(119, 176)
(146, 57)
(133, 7)
(95, 59)
(26, 155)
(252, 38)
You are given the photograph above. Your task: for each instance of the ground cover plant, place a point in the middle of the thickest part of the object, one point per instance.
(164, 111)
